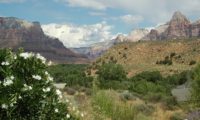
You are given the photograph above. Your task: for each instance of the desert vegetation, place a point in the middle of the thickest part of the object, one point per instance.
(108, 93)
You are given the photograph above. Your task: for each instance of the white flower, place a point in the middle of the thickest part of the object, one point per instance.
(46, 73)
(12, 77)
(46, 90)
(7, 82)
(26, 55)
(56, 110)
(30, 88)
(37, 77)
(82, 115)
(58, 92)
(49, 78)
(26, 87)
(5, 63)
(15, 57)
(11, 104)
(38, 56)
(68, 115)
(4, 106)
(20, 97)
(49, 63)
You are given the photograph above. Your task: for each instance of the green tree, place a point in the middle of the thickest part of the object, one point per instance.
(110, 75)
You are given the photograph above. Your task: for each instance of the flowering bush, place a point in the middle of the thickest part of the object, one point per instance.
(26, 89)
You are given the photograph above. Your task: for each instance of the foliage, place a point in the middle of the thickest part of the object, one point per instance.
(192, 62)
(71, 74)
(111, 76)
(167, 60)
(26, 90)
(152, 86)
(106, 104)
(179, 79)
(177, 116)
(153, 76)
(196, 87)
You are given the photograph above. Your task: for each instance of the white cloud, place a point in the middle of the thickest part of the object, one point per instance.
(79, 36)
(93, 4)
(131, 19)
(153, 10)
(11, 1)
(97, 13)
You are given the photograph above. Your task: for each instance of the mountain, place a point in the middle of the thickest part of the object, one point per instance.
(16, 33)
(133, 36)
(179, 27)
(94, 50)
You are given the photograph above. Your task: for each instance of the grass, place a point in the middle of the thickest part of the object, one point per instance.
(107, 103)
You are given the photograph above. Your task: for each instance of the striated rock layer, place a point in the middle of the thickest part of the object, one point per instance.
(16, 33)
(178, 27)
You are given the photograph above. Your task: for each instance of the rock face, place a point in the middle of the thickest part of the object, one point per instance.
(153, 35)
(177, 28)
(195, 29)
(94, 50)
(16, 33)
(133, 36)
(137, 34)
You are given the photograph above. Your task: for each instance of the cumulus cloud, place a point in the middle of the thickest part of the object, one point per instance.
(11, 1)
(79, 36)
(153, 10)
(131, 19)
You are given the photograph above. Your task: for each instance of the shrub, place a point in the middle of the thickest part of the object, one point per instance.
(166, 61)
(179, 79)
(72, 75)
(153, 76)
(111, 75)
(26, 90)
(145, 109)
(177, 116)
(195, 97)
(172, 54)
(193, 62)
(126, 95)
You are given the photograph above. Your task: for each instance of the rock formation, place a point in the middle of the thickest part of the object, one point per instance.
(16, 33)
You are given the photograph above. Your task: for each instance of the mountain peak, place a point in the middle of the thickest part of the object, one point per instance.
(178, 16)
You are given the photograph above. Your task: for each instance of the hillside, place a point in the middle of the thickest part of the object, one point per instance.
(146, 56)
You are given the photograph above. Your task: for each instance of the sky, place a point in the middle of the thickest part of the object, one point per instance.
(79, 23)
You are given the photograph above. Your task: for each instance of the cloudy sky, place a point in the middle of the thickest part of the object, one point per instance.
(83, 22)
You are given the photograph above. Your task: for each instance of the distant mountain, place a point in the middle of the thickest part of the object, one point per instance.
(133, 36)
(179, 27)
(16, 33)
(94, 50)
(97, 49)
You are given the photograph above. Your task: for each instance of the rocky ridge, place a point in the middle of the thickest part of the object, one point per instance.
(16, 33)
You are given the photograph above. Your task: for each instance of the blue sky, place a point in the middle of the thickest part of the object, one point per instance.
(51, 11)
(118, 16)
